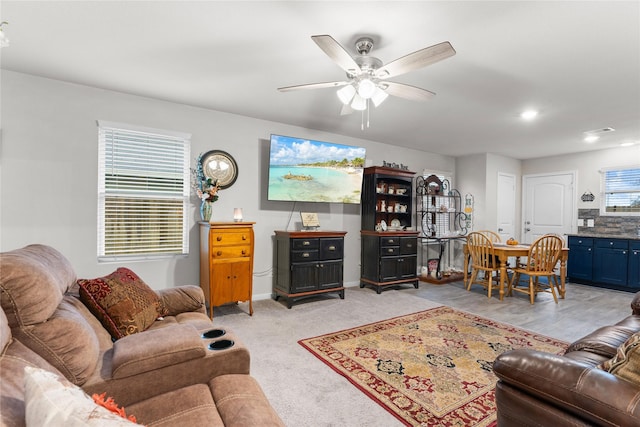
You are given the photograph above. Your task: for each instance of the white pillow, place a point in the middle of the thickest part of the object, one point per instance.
(51, 400)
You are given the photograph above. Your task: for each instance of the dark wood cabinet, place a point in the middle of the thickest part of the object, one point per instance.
(388, 259)
(308, 263)
(389, 251)
(387, 198)
(608, 262)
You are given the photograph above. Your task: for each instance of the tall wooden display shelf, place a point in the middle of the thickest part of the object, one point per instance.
(308, 263)
(226, 263)
(441, 223)
(389, 246)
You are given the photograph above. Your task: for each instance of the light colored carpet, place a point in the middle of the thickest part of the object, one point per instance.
(306, 392)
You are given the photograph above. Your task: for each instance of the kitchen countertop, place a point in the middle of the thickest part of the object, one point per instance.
(606, 236)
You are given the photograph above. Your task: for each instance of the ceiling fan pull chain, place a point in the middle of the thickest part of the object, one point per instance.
(367, 113)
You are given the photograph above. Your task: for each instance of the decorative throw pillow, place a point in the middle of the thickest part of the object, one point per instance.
(124, 304)
(626, 363)
(51, 400)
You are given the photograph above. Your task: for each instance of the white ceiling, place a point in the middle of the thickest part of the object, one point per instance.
(577, 62)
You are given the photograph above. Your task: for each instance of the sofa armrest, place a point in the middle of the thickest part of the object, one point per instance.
(572, 386)
(152, 350)
(635, 304)
(182, 299)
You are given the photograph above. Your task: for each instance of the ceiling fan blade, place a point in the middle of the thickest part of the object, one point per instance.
(418, 59)
(406, 91)
(312, 86)
(337, 53)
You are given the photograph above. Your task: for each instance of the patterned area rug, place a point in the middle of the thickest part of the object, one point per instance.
(431, 368)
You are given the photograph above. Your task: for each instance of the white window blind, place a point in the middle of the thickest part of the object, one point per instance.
(621, 193)
(143, 192)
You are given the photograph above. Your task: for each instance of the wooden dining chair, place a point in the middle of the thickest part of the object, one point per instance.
(492, 235)
(544, 254)
(483, 262)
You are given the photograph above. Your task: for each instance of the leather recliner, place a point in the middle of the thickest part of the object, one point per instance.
(542, 389)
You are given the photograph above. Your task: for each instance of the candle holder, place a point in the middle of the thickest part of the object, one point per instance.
(237, 214)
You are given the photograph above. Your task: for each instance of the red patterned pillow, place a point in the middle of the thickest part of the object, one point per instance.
(122, 302)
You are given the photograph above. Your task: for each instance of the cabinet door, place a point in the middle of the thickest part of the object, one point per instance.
(329, 274)
(610, 262)
(304, 277)
(240, 288)
(580, 263)
(230, 281)
(388, 269)
(407, 267)
(633, 276)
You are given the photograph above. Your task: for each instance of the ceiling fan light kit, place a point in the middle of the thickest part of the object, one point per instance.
(367, 75)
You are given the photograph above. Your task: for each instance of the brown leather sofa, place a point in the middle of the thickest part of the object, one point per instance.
(542, 389)
(165, 375)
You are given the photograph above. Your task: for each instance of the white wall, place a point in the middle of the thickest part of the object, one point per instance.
(471, 172)
(587, 165)
(48, 179)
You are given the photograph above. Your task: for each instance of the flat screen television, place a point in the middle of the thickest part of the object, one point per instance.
(304, 170)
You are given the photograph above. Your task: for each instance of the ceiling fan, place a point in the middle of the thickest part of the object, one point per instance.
(367, 75)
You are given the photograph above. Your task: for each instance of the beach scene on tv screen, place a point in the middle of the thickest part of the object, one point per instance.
(314, 171)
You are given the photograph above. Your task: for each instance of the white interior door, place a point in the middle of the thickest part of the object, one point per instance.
(506, 200)
(548, 204)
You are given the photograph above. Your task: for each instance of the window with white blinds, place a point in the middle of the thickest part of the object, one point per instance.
(143, 192)
(621, 191)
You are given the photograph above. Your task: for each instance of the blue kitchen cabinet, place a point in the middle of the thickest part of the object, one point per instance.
(633, 275)
(610, 261)
(580, 263)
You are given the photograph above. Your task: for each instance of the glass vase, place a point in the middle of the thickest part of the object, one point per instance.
(205, 210)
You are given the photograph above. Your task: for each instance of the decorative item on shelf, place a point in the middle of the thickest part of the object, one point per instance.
(588, 197)
(468, 211)
(219, 166)
(433, 185)
(206, 189)
(237, 214)
(206, 209)
(394, 165)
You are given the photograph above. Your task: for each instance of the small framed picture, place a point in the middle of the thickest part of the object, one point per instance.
(309, 219)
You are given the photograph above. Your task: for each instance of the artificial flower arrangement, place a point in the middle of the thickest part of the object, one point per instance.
(206, 188)
(208, 191)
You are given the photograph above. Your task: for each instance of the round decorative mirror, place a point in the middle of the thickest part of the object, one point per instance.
(220, 165)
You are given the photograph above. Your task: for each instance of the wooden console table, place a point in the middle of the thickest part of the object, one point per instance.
(226, 263)
(308, 263)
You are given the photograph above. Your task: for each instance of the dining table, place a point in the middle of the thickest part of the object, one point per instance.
(504, 251)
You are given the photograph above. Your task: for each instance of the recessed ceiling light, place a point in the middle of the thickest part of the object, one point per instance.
(529, 114)
(591, 138)
(627, 144)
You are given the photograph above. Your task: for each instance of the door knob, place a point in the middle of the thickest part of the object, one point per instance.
(526, 230)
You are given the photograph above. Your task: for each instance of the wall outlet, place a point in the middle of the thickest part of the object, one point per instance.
(590, 223)
(580, 222)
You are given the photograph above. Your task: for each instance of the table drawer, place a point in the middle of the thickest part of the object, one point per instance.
(223, 238)
(331, 249)
(302, 256)
(580, 241)
(390, 250)
(231, 252)
(304, 244)
(390, 241)
(612, 244)
(408, 246)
